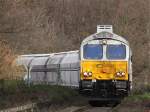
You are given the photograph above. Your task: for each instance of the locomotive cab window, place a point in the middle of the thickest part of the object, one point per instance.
(116, 51)
(93, 51)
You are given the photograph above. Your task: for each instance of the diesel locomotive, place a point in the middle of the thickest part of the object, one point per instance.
(105, 64)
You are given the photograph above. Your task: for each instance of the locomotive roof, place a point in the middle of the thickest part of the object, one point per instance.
(96, 36)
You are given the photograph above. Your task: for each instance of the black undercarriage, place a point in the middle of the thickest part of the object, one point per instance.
(105, 89)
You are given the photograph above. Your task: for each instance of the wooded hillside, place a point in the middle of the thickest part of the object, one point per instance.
(44, 26)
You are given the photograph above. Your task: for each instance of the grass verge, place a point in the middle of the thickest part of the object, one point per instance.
(13, 93)
(137, 101)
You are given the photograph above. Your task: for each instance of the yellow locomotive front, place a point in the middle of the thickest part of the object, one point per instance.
(105, 65)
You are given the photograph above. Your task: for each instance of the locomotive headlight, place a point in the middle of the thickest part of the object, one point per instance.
(123, 73)
(90, 74)
(104, 42)
(120, 74)
(85, 74)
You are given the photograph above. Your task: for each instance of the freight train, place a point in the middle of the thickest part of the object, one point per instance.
(102, 67)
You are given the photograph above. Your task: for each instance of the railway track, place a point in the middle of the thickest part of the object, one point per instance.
(97, 109)
(87, 109)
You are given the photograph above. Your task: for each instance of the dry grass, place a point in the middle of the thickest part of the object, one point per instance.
(18, 93)
(8, 68)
